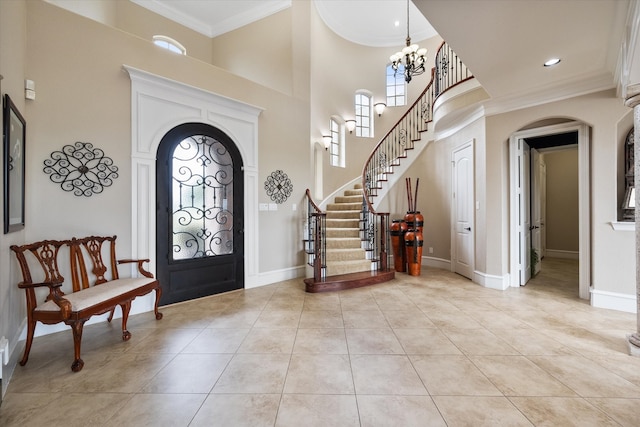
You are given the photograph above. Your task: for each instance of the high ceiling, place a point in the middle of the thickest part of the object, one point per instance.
(355, 20)
(503, 42)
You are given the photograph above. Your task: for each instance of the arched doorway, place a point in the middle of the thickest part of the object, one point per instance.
(520, 209)
(200, 213)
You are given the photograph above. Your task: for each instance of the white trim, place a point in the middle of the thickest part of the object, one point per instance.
(623, 225)
(433, 262)
(491, 281)
(213, 29)
(613, 301)
(158, 105)
(279, 276)
(559, 253)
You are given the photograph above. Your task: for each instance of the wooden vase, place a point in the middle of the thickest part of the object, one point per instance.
(413, 251)
(398, 228)
(414, 220)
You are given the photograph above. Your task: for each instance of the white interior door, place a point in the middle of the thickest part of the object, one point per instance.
(462, 245)
(519, 166)
(543, 208)
(536, 208)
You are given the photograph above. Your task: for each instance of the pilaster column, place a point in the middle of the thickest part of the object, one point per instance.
(633, 100)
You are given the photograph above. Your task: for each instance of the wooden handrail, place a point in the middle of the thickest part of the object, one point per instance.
(315, 207)
(316, 237)
(449, 71)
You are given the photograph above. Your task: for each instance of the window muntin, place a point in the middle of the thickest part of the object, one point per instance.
(396, 87)
(336, 148)
(364, 115)
(169, 44)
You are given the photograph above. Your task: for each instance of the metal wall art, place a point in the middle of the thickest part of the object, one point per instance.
(81, 168)
(278, 186)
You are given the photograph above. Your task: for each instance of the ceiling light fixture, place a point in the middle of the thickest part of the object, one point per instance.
(552, 62)
(410, 59)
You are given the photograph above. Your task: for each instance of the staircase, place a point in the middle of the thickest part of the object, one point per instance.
(347, 245)
(344, 244)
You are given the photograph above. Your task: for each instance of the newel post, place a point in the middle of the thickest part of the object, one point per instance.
(633, 100)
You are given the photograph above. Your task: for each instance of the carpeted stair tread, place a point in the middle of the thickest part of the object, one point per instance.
(342, 232)
(343, 223)
(350, 254)
(343, 214)
(343, 242)
(344, 206)
(344, 267)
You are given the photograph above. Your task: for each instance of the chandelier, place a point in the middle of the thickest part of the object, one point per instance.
(411, 58)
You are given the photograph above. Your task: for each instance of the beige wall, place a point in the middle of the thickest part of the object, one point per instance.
(13, 39)
(561, 220)
(261, 52)
(352, 67)
(612, 269)
(82, 100)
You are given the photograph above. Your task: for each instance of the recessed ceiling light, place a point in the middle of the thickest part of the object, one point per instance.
(396, 24)
(551, 62)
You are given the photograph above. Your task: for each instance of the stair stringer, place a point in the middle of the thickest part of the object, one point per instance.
(397, 171)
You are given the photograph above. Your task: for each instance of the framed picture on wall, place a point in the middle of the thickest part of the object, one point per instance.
(14, 132)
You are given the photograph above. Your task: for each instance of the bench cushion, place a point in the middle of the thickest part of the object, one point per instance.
(96, 294)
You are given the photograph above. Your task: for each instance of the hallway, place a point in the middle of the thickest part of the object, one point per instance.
(434, 350)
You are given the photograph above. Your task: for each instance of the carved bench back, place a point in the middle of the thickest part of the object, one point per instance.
(43, 254)
(97, 250)
(92, 262)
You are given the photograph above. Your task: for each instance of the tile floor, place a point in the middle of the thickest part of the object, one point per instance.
(435, 350)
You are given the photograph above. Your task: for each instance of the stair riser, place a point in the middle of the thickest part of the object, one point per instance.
(344, 207)
(343, 223)
(343, 243)
(346, 268)
(345, 255)
(349, 199)
(346, 232)
(343, 215)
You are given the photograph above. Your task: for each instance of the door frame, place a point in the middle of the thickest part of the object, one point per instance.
(158, 105)
(584, 200)
(454, 246)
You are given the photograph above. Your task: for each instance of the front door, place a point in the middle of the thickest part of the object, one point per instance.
(199, 190)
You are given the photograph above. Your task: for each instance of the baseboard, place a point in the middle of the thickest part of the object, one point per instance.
(558, 253)
(613, 301)
(491, 281)
(434, 262)
(275, 276)
(16, 348)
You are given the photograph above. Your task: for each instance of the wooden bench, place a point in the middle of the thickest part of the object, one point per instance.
(96, 287)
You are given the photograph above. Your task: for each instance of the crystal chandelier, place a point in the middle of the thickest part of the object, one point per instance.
(411, 58)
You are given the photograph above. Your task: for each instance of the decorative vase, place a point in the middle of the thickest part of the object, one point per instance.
(398, 228)
(413, 245)
(414, 220)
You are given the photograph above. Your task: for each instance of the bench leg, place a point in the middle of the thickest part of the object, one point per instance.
(31, 327)
(113, 310)
(76, 327)
(155, 307)
(126, 335)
